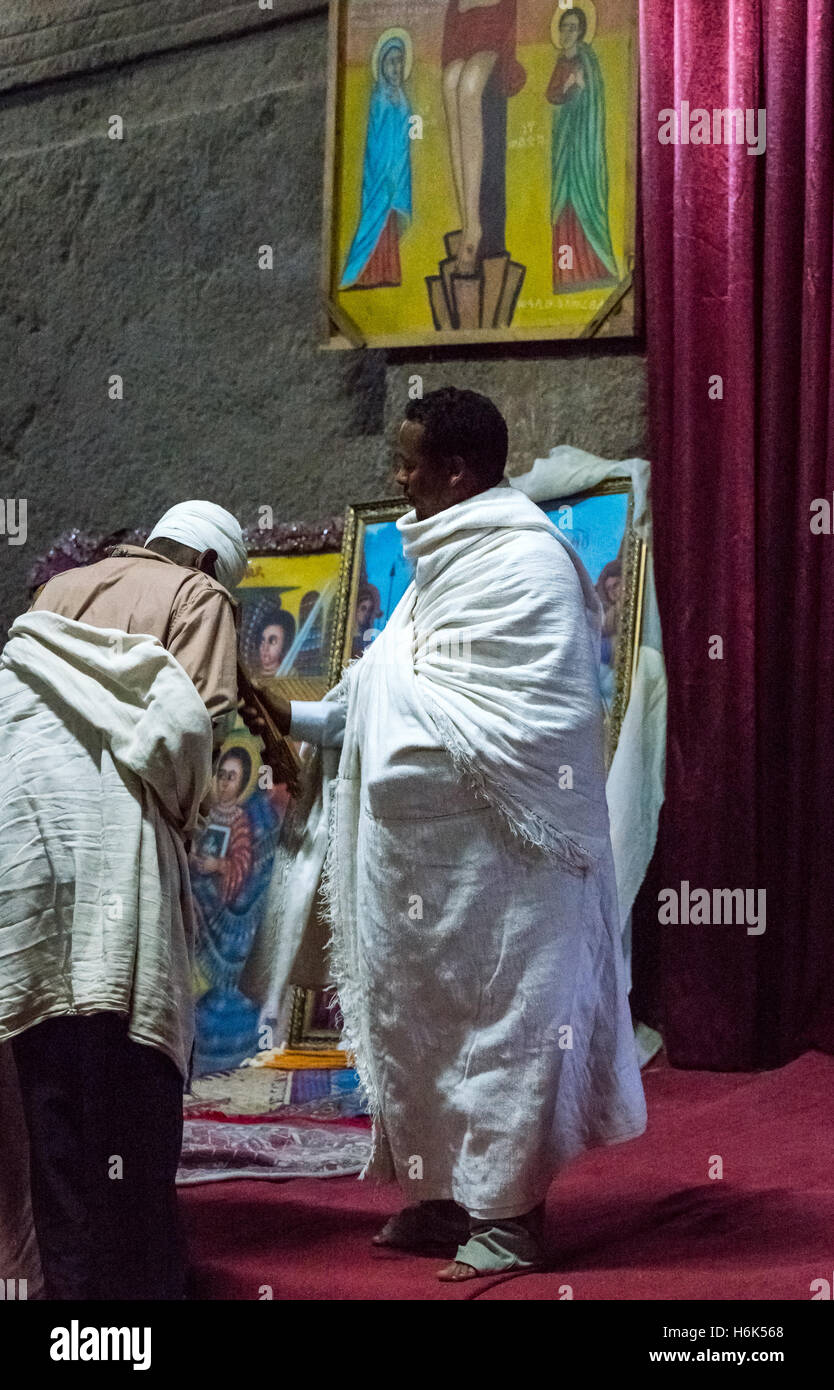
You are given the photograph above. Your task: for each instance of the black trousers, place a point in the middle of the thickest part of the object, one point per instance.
(104, 1116)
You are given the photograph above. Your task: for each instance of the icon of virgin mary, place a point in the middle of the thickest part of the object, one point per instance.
(579, 188)
(374, 257)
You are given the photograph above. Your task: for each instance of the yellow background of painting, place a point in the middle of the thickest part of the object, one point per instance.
(529, 229)
(300, 573)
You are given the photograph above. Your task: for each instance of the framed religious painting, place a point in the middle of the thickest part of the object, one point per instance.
(598, 524)
(287, 605)
(287, 609)
(373, 577)
(480, 179)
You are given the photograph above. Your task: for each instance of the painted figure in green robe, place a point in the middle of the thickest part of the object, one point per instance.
(579, 189)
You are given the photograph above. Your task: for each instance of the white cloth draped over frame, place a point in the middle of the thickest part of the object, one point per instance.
(469, 873)
(634, 788)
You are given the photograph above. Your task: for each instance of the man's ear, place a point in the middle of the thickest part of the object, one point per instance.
(458, 471)
(206, 562)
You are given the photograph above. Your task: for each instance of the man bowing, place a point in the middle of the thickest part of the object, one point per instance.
(114, 689)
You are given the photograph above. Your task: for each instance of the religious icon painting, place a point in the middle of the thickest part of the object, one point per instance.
(598, 524)
(480, 179)
(287, 605)
(374, 576)
(230, 865)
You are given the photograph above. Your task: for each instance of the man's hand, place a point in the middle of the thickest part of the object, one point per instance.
(278, 707)
(251, 718)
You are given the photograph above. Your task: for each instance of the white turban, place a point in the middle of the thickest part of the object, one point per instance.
(205, 526)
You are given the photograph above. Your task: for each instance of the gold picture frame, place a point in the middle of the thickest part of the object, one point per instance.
(358, 519)
(305, 1034)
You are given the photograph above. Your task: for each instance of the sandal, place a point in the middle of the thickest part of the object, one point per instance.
(497, 1247)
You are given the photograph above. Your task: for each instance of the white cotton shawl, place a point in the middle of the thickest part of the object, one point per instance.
(505, 638)
(105, 755)
(497, 640)
(501, 627)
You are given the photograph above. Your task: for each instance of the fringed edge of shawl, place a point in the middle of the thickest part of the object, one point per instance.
(524, 824)
(348, 987)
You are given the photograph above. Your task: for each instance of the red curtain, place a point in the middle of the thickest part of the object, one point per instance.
(738, 273)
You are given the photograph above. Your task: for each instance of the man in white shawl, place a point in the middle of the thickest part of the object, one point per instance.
(475, 932)
(114, 689)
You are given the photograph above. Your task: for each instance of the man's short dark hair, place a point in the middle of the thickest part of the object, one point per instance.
(463, 424)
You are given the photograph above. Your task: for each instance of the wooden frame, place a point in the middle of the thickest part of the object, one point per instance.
(616, 315)
(305, 1035)
(302, 1036)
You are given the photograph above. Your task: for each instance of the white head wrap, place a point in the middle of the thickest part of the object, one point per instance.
(205, 526)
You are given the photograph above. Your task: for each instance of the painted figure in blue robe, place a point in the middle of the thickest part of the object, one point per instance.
(374, 257)
(231, 866)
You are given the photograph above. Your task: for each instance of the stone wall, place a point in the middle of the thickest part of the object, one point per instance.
(139, 257)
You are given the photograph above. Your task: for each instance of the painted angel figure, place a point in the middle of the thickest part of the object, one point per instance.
(374, 257)
(579, 187)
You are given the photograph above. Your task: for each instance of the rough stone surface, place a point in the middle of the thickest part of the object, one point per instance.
(45, 39)
(139, 257)
(594, 401)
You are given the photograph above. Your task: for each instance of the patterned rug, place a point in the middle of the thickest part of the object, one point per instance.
(264, 1092)
(262, 1123)
(215, 1151)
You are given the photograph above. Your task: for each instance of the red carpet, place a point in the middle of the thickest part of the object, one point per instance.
(636, 1221)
